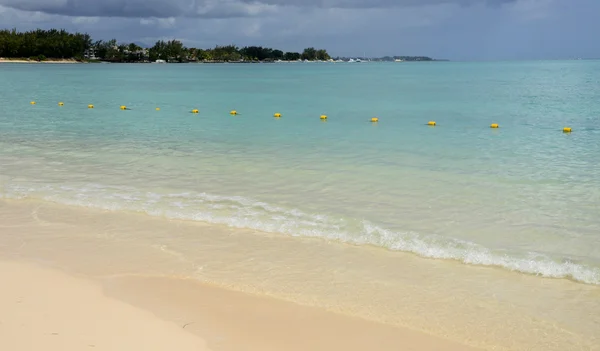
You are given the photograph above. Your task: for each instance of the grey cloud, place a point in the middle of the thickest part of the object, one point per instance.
(209, 8)
(100, 8)
(358, 4)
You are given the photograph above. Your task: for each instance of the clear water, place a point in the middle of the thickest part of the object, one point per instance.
(525, 197)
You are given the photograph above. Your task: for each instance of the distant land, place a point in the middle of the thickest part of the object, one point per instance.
(395, 59)
(61, 46)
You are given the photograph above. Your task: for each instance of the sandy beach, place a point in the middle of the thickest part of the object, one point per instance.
(8, 60)
(75, 295)
(44, 309)
(226, 292)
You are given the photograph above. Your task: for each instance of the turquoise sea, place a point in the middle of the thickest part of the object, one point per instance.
(525, 196)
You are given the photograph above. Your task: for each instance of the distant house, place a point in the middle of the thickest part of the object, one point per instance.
(90, 54)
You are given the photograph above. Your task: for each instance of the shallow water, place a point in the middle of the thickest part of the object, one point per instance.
(524, 197)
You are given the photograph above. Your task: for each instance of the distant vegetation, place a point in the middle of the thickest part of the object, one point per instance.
(405, 58)
(42, 45)
(59, 44)
(174, 51)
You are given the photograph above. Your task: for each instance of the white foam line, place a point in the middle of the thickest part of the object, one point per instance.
(240, 212)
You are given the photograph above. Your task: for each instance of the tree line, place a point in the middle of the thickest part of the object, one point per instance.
(41, 44)
(60, 44)
(175, 51)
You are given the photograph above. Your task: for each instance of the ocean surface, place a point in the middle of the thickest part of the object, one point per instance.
(525, 197)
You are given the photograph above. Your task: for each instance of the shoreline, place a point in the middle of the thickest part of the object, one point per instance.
(72, 61)
(450, 303)
(48, 61)
(64, 312)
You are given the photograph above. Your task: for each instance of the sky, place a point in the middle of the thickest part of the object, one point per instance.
(443, 29)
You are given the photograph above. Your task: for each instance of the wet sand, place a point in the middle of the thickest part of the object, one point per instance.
(254, 291)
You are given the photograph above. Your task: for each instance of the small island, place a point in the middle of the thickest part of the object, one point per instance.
(56, 45)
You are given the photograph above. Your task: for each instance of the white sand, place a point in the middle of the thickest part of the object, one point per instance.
(8, 60)
(43, 309)
(46, 309)
(123, 294)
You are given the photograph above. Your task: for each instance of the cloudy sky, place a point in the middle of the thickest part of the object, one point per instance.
(452, 29)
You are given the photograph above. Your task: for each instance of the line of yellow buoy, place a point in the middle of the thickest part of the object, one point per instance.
(322, 117)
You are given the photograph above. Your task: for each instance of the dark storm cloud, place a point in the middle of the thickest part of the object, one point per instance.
(208, 8)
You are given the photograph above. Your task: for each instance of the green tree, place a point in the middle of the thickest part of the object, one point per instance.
(309, 54)
(157, 52)
(277, 54)
(292, 56)
(322, 55)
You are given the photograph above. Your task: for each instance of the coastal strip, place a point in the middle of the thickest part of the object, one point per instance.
(41, 46)
(267, 292)
(48, 61)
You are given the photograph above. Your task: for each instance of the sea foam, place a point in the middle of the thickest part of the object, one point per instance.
(241, 212)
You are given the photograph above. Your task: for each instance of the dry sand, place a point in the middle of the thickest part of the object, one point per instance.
(42, 309)
(8, 60)
(46, 309)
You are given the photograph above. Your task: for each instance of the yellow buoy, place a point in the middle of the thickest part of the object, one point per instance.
(33, 102)
(90, 106)
(494, 125)
(123, 107)
(323, 117)
(277, 115)
(374, 119)
(158, 109)
(195, 111)
(61, 104)
(567, 130)
(431, 123)
(233, 112)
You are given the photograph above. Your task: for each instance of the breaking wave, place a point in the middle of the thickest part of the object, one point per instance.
(241, 212)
